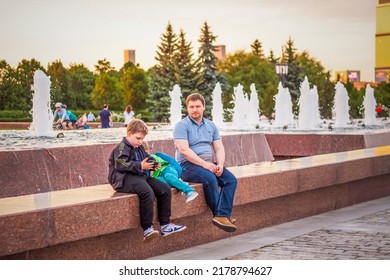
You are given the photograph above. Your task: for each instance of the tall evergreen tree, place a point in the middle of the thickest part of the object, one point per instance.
(272, 57)
(163, 75)
(257, 48)
(185, 66)
(294, 77)
(208, 67)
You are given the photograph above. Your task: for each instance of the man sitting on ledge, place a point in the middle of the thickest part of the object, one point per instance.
(195, 139)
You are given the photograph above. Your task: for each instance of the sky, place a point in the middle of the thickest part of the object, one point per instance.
(338, 33)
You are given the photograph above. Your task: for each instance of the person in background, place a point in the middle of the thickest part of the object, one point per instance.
(91, 117)
(105, 117)
(63, 118)
(129, 114)
(72, 117)
(129, 172)
(201, 154)
(82, 122)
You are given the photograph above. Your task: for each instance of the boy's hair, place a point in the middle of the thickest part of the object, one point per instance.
(195, 97)
(136, 125)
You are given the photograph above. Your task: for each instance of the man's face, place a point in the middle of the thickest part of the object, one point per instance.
(195, 109)
(135, 139)
(58, 108)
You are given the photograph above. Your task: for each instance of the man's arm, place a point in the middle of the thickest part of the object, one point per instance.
(184, 148)
(220, 156)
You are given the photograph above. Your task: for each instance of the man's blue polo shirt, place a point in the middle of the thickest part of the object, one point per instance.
(199, 137)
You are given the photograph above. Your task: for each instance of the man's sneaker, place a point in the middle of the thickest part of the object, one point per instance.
(224, 224)
(232, 220)
(171, 228)
(150, 234)
(191, 196)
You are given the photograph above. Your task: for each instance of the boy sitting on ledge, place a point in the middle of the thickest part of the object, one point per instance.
(129, 172)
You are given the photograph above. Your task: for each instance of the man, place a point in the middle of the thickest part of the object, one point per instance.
(105, 117)
(63, 118)
(195, 140)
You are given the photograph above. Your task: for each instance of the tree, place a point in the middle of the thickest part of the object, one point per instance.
(185, 66)
(9, 88)
(81, 83)
(135, 83)
(103, 66)
(294, 79)
(247, 68)
(257, 48)
(317, 75)
(59, 81)
(163, 75)
(108, 90)
(25, 79)
(272, 57)
(355, 101)
(208, 67)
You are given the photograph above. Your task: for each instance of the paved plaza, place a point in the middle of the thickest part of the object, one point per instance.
(361, 231)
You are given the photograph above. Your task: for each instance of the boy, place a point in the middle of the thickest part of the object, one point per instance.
(129, 171)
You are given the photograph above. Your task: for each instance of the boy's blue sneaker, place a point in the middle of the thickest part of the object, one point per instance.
(171, 228)
(150, 234)
(191, 196)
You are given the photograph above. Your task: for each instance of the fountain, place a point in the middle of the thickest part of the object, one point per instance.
(283, 107)
(308, 107)
(240, 105)
(217, 110)
(341, 107)
(176, 105)
(253, 118)
(369, 105)
(42, 116)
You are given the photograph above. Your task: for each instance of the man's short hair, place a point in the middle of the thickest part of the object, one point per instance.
(137, 125)
(195, 97)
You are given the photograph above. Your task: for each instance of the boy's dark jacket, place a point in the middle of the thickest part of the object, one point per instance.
(123, 160)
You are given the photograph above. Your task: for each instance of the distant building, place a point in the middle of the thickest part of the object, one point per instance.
(220, 52)
(347, 75)
(382, 41)
(129, 55)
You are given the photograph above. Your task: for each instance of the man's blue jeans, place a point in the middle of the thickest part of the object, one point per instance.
(220, 201)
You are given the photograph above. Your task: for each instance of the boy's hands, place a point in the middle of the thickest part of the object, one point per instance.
(149, 165)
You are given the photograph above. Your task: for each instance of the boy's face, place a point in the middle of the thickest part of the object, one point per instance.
(135, 139)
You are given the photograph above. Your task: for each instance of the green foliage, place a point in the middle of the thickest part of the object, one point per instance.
(317, 75)
(382, 96)
(208, 69)
(247, 68)
(295, 75)
(59, 78)
(257, 48)
(108, 90)
(81, 83)
(163, 75)
(103, 66)
(185, 67)
(136, 85)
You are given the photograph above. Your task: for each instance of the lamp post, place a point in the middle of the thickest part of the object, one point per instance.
(281, 71)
